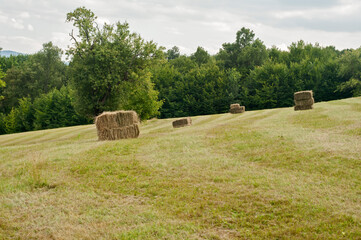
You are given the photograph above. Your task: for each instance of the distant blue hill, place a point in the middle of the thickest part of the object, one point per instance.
(8, 53)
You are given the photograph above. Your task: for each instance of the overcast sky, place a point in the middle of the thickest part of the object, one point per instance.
(26, 24)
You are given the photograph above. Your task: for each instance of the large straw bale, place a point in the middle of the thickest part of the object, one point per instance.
(182, 122)
(303, 95)
(236, 108)
(117, 125)
(116, 119)
(306, 102)
(131, 131)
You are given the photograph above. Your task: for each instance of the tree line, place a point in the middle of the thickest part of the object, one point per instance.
(112, 68)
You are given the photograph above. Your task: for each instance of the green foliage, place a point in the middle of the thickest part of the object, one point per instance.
(173, 53)
(201, 56)
(25, 115)
(189, 89)
(19, 119)
(12, 61)
(269, 86)
(10, 121)
(352, 86)
(141, 96)
(244, 54)
(55, 109)
(50, 71)
(2, 83)
(167, 80)
(40, 73)
(233, 86)
(350, 72)
(2, 123)
(50, 110)
(103, 59)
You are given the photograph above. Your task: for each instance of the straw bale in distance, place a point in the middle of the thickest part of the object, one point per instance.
(236, 108)
(303, 95)
(306, 102)
(182, 122)
(303, 100)
(117, 125)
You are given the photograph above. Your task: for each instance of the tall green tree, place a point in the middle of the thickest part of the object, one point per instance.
(103, 59)
(173, 53)
(50, 71)
(141, 96)
(243, 54)
(201, 56)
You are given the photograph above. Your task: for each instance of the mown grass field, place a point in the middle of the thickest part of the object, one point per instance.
(269, 174)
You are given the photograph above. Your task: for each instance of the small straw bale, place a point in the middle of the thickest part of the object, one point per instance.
(117, 125)
(182, 122)
(236, 108)
(303, 95)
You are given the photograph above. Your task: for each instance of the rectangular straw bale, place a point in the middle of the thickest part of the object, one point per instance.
(182, 122)
(234, 105)
(131, 131)
(306, 102)
(305, 107)
(303, 95)
(236, 108)
(116, 119)
(117, 125)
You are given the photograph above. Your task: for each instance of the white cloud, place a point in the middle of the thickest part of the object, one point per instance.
(174, 31)
(102, 20)
(17, 24)
(337, 11)
(20, 43)
(30, 27)
(24, 15)
(3, 19)
(189, 23)
(219, 26)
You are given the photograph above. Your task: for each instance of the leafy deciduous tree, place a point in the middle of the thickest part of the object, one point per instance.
(201, 56)
(173, 53)
(104, 58)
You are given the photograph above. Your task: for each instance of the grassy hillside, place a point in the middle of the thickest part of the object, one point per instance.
(261, 174)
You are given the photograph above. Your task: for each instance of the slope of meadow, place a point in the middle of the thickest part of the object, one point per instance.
(261, 174)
